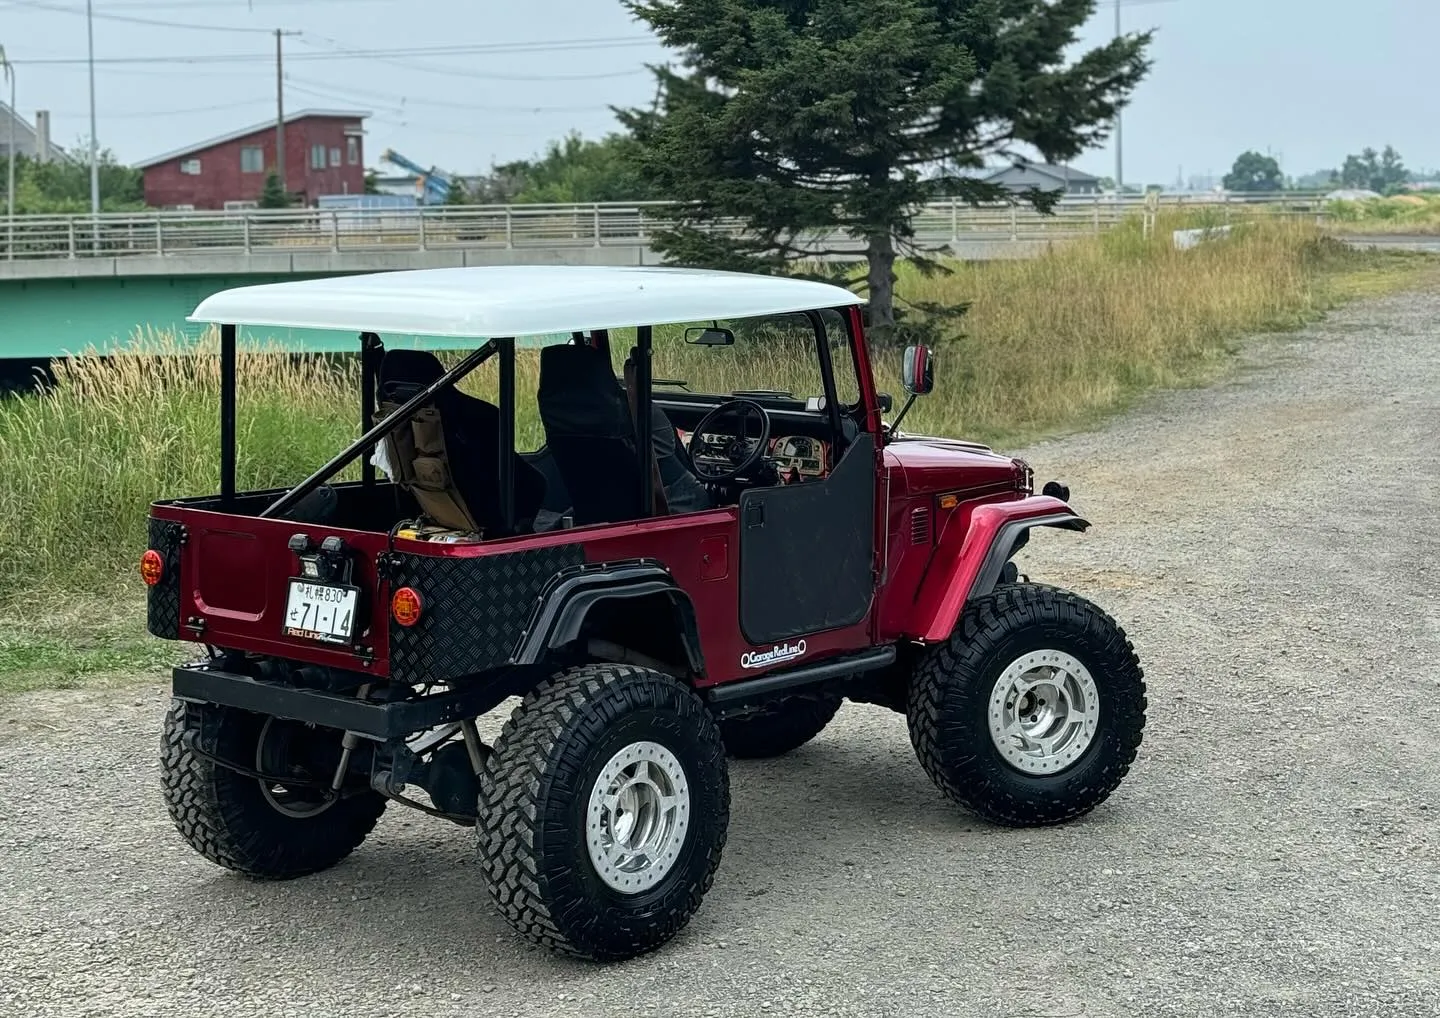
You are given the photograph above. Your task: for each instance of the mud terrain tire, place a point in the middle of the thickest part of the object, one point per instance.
(779, 727)
(227, 817)
(958, 691)
(545, 811)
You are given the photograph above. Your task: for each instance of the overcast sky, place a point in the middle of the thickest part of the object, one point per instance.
(1308, 80)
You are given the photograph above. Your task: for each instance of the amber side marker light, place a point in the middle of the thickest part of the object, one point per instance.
(152, 567)
(949, 501)
(405, 606)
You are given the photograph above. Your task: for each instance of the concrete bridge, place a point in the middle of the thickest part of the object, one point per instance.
(71, 282)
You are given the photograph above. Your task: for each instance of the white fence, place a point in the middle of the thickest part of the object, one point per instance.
(553, 226)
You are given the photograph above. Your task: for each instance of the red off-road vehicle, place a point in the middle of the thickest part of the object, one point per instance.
(669, 578)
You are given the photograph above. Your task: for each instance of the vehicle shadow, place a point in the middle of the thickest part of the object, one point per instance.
(796, 824)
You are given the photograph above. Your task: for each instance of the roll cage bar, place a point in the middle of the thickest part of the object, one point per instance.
(372, 349)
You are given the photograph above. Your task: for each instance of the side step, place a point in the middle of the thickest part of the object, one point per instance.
(734, 693)
(382, 721)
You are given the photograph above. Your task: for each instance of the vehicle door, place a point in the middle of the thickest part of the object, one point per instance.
(807, 549)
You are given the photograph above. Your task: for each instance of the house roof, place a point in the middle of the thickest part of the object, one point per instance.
(290, 118)
(1062, 174)
(25, 133)
(507, 301)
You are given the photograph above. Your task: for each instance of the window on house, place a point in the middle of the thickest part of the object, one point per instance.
(317, 157)
(352, 150)
(190, 167)
(334, 157)
(252, 159)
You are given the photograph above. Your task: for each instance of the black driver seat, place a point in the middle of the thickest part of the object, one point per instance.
(588, 431)
(448, 454)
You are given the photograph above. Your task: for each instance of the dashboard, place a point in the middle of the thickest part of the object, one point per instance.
(796, 457)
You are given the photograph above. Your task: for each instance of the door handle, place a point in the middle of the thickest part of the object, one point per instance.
(754, 515)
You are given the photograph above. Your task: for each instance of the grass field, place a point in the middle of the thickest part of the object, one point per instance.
(1417, 214)
(1049, 344)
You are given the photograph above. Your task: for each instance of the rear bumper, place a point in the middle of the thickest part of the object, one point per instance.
(382, 721)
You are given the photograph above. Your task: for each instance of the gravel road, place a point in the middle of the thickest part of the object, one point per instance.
(1273, 852)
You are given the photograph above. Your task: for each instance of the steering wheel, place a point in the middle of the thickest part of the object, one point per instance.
(739, 451)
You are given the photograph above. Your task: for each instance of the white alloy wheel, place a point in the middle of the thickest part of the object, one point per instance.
(1043, 712)
(638, 814)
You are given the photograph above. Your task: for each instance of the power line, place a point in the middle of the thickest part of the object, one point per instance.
(39, 6)
(378, 101)
(138, 114)
(189, 71)
(192, 6)
(459, 132)
(455, 72)
(309, 39)
(568, 45)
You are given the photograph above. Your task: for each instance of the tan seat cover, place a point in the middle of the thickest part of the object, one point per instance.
(416, 450)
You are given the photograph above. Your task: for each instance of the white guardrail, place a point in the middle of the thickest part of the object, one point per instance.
(444, 227)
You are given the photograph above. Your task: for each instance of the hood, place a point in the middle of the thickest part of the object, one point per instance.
(951, 464)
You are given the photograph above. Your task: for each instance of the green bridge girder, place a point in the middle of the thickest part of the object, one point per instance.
(43, 319)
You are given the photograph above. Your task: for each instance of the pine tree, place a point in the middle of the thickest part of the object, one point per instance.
(274, 196)
(844, 116)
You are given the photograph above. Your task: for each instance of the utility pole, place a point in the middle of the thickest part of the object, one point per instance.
(280, 108)
(94, 145)
(9, 161)
(1119, 137)
(280, 111)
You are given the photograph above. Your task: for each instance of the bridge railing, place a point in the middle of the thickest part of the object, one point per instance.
(285, 231)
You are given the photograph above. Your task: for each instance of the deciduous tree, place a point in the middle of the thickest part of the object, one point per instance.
(1255, 172)
(1381, 172)
(581, 170)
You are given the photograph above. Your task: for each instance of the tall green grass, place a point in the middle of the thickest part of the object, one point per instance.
(1400, 214)
(1048, 344)
(1055, 341)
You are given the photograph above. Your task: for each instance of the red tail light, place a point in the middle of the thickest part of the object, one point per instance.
(405, 607)
(152, 567)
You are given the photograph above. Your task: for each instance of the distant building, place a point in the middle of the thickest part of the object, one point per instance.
(1046, 178)
(324, 154)
(401, 184)
(30, 141)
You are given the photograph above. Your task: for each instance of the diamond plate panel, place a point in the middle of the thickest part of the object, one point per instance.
(475, 609)
(162, 601)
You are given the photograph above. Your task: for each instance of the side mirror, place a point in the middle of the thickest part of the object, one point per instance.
(887, 402)
(710, 337)
(919, 371)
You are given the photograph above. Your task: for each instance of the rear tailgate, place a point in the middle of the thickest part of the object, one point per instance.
(234, 588)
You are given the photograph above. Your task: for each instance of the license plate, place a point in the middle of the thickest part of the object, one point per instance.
(321, 611)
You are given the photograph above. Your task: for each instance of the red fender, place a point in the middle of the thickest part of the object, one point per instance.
(973, 547)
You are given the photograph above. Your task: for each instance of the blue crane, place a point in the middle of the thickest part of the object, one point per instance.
(436, 183)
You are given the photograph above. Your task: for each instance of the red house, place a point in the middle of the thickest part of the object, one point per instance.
(324, 154)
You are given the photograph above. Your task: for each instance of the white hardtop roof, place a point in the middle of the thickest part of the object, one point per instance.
(516, 300)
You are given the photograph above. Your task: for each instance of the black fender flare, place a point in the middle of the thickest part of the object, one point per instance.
(1011, 537)
(562, 606)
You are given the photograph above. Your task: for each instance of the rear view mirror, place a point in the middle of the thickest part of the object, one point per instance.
(919, 372)
(710, 337)
(887, 402)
